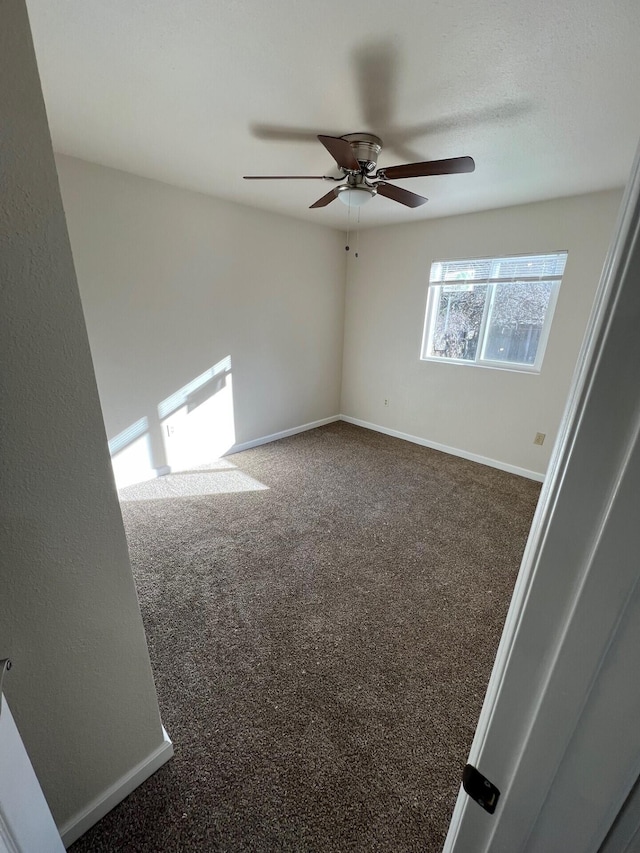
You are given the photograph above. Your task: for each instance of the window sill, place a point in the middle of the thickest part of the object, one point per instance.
(488, 365)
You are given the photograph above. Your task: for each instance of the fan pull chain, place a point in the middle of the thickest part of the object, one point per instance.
(346, 248)
(358, 233)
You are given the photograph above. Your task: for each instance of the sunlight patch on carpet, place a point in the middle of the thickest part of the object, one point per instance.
(220, 477)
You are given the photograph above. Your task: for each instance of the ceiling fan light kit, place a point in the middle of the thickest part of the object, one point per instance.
(355, 196)
(356, 155)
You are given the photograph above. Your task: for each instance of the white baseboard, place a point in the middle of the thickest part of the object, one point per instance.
(247, 445)
(103, 803)
(434, 445)
(454, 451)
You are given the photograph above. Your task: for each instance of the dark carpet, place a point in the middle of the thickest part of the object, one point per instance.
(321, 647)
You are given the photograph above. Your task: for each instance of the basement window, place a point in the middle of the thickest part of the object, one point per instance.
(492, 312)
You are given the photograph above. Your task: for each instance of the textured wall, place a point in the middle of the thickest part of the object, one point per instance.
(487, 412)
(173, 281)
(81, 689)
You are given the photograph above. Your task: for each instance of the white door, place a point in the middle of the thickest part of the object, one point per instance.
(558, 734)
(26, 825)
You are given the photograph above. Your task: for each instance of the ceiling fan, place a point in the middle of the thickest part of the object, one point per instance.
(357, 156)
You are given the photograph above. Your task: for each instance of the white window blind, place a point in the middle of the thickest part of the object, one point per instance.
(516, 268)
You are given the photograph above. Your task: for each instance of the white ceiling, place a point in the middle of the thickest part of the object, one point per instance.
(544, 94)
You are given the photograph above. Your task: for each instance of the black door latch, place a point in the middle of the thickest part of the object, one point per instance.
(480, 788)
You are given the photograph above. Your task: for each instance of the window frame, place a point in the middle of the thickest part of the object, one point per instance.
(433, 300)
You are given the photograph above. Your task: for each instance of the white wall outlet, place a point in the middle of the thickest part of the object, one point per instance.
(386, 402)
(540, 437)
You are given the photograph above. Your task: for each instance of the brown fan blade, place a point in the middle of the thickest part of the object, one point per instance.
(452, 166)
(282, 133)
(288, 178)
(376, 68)
(341, 152)
(403, 196)
(325, 200)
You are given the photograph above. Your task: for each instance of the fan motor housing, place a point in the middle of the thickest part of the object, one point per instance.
(366, 148)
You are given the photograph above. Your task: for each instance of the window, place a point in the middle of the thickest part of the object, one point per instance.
(492, 312)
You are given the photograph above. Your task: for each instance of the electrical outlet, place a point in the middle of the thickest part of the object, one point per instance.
(386, 402)
(540, 437)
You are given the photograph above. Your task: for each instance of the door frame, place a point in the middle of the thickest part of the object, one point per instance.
(26, 823)
(548, 735)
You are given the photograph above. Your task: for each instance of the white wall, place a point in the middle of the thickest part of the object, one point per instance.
(81, 688)
(173, 281)
(480, 411)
